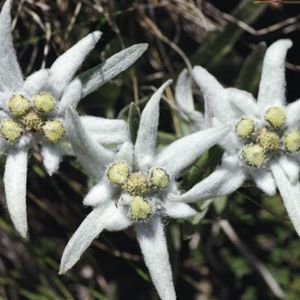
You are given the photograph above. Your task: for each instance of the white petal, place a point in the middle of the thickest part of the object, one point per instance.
(290, 167)
(36, 82)
(224, 181)
(71, 96)
(4, 97)
(183, 152)
(93, 157)
(178, 210)
(184, 93)
(272, 83)
(293, 113)
(243, 102)
(110, 68)
(64, 68)
(15, 179)
(147, 134)
(214, 94)
(101, 218)
(126, 153)
(106, 131)
(52, 157)
(152, 240)
(11, 78)
(99, 194)
(265, 181)
(290, 193)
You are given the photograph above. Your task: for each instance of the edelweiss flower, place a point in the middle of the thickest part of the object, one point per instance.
(264, 140)
(32, 111)
(133, 189)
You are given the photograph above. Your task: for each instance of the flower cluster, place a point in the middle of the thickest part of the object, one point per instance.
(137, 183)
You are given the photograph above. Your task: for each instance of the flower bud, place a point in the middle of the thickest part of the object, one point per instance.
(140, 210)
(53, 131)
(292, 141)
(245, 128)
(254, 155)
(44, 102)
(276, 117)
(159, 178)
(18, 105)
(118, 172)
(10, 130)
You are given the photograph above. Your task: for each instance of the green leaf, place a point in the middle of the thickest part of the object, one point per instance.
(249, 76)
(220, 204)
(97, 76)
(134, 121)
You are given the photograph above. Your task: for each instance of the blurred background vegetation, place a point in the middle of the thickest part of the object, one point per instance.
(240, 247)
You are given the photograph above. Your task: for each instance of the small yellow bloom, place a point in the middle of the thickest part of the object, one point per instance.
(140, 210)
(10, 130)
(276, 117)
(18, 105)
(53, 131)
(44, 102)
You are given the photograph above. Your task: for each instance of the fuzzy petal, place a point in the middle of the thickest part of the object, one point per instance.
(183, 92)
(214, 94)
(126, 153)
(290, 167)
(36, 82)
(264, 180)
(147, 134)
(183, 152)
(109, 69)
(293, 113)
(52, 157)
(242, 102)
(272, 83)
(290, 193)
(71, 96)
(15, 181)
(93, 157)
(152, 240)
(106, 131)
(99, 194)
(11, 78)
(224, 181)
(64, 68)
(110, 218)
(178, 210)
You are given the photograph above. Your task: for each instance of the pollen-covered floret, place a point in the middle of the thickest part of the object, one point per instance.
(10, 130)
(276, 117)
(53, 130)
(254, 155)
(32, 122)
(18, 105)
(140, 210)
(118, 172)
(44, 102)
(269, 140)
(159, 178)
(136, 184)
(292, 141)
(245, 128)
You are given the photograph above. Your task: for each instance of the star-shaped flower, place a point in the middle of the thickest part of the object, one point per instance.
(264, 140)
(133, 188)
(32, 112)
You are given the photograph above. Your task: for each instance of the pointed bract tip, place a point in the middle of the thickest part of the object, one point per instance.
(97, 35)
